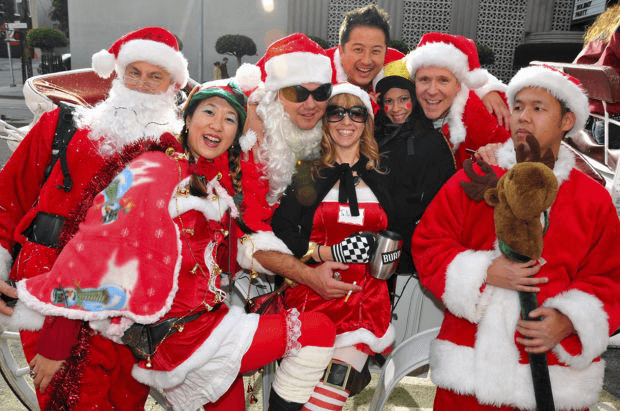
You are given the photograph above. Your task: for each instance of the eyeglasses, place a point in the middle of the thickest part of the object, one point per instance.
(358, 114)
(150, 84)
(299, 94)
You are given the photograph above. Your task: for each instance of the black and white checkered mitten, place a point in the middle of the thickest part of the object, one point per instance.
(356, 248)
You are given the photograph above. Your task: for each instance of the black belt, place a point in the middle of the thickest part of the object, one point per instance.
(343, 376)
(143, 339)
(45, 229)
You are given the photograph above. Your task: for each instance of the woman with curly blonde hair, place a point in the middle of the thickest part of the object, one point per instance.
(328, 214)
(368, 145)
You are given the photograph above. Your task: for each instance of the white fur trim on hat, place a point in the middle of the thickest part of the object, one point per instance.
(153, 52)
(348, 88)
(558, 85)
(446, 56)
(297, 68)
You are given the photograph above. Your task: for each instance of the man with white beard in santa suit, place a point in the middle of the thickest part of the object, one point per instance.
(37, 211)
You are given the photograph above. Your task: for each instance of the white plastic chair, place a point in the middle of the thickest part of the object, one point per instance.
(408, 356)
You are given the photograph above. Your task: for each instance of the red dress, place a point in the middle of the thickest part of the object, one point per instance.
(364, 320)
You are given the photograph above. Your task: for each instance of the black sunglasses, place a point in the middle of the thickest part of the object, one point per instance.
(358, 114)
(299, 94)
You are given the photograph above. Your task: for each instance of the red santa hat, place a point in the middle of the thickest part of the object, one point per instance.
(293, 60)
(455, 53)
(348, 88)
(153, 45)
(562, 86)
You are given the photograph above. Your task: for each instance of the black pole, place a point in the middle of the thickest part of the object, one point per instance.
(538, 362)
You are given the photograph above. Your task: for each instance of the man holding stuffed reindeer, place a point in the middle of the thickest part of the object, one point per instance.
(480, 357)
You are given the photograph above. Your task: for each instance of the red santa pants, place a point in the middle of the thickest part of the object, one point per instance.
(106, 382)
(268, 345)
(446, 400)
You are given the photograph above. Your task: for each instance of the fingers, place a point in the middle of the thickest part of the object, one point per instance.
(5, 310)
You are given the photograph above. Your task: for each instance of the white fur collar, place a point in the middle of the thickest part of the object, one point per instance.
(563, 166)
(458, 130)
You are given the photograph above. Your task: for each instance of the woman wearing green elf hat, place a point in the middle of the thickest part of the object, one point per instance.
(145, 269)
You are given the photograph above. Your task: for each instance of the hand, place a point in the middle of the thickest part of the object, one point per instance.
(357, 248)
(541, 336)
(44, 370)
(512, 275)
(322, 281)
(487, 153)
(494, 103)
(9, 291)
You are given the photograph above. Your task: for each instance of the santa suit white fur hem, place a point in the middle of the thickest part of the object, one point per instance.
(364, 336)
(208, 373)
(454, 368)
(491, 369)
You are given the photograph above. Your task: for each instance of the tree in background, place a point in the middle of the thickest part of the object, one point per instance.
(320, 41)
(60, 13)
(400, 46)
(236, 45)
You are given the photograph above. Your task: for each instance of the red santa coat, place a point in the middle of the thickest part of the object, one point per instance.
(475, 352)
(22, 198)
(157, 252)
(470, 126)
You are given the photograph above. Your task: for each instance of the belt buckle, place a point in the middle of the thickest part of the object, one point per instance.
(337, 374)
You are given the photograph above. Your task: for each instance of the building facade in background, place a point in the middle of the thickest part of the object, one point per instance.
(501, 25)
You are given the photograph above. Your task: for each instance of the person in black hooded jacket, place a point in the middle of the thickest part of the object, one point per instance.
(418, 158)
(419, 161)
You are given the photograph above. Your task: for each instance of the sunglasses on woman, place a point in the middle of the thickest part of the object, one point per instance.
(299, 94)
(358, 114)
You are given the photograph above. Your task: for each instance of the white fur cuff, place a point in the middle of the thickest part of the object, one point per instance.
(5, 263)
(492, 84)
(260, 241)
(23, 318)
(465, 276)
(590, 322)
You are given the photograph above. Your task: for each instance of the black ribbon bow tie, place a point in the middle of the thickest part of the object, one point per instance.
(346, 193)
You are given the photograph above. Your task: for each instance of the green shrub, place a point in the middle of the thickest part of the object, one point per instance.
(320, 41)
(400, 46)
(485, 55)
(45, 38)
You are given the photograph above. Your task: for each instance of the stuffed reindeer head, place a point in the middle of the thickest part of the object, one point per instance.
(520, 198)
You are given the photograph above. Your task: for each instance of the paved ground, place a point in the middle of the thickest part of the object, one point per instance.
(411, 394)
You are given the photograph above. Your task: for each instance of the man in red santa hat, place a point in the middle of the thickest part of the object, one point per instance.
(446, 70)
(35, 207)
(363, 52)
(480, 357)
(287, 110)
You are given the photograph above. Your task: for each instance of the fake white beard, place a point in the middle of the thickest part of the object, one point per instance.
(283, 145)
(127, 116)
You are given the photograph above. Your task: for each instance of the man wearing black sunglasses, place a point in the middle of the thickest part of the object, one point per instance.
(297, 84)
